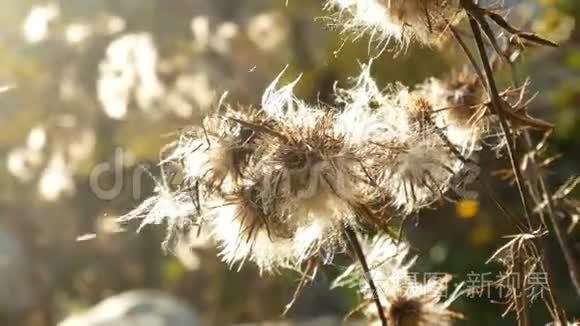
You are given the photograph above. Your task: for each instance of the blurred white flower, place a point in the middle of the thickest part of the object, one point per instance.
(57, 179)
(23, 163)
(268, 30)
(81, 145)
(37, 138)
(53, 153)
(77, 33)
(218, 39)
(37, 23)
(197, 88)
(224, 36)
(114, 90)
(6, 88)
(201, 33)
(114, 24)
(129, 71)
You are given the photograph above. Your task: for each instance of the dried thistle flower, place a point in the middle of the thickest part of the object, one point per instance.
(458, 110)
(404, 21)
(274, 185)
(520, 257)
(277, 185)
(422, 305)
(462, 112)
(243, 231)
(419, 173)
(410, 156)
(307, 173)
(311, 177)
(216, 153)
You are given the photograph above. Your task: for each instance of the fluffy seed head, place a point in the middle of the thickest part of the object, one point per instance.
(400, 20)
(244, 231)
(458, 110)
(409, 155)
(277, 185)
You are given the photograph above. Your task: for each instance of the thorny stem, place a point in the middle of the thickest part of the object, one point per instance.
(497, 106)
(356, 247)
(468, 54)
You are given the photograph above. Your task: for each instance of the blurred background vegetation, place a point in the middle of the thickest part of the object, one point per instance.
(93, 89)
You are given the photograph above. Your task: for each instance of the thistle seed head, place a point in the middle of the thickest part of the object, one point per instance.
(243, 231)
(403, 21)
(458, 109)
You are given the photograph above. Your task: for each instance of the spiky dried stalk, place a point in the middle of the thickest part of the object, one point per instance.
(540, 194)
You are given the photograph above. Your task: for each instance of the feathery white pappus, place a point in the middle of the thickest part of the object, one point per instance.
(412, 153)
(176, 209)
(403, 21)
(243, 231)
(458, 109)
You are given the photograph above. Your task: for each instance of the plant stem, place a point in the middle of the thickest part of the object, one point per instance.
(522, 309)
(356, 247)
(497, 106)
